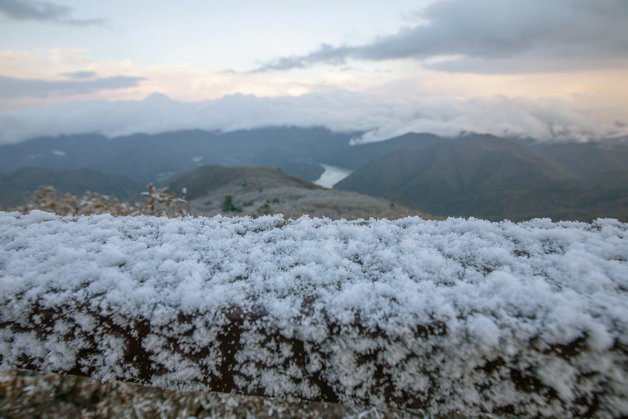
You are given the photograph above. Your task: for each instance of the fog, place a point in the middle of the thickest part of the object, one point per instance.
(376, 117)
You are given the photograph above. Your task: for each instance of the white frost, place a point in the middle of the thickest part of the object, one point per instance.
(491, 287)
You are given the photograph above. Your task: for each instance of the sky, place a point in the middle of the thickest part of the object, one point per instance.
(546, 69)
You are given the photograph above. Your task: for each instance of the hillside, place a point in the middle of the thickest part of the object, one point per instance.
(473, 175)
(16, 187)
(263, 190)
(592, 162)
(298, 151)
(355, 156)
(485, 176)
(156, 157)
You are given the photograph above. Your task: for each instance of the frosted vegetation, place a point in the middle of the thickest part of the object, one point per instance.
(520, 318)
(158, 202)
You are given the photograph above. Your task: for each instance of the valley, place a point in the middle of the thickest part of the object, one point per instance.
(473, 175)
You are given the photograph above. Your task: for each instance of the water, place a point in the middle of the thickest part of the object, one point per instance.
(331, 176)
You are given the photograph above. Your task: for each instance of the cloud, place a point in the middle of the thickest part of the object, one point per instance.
(496, 36)
(43, 11)
(15, 87)
(378, 117)
(79, 74)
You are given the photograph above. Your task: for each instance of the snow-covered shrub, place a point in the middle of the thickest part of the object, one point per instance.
(456, 315)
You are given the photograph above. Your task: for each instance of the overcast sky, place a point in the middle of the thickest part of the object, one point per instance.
(444, 65)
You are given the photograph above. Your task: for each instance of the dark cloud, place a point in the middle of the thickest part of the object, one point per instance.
(43, 11)
(531, 35)
(80, 75)
(16, 87)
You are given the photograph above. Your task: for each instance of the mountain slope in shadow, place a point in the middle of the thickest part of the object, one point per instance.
(484, 176)
(155, 157)
(592, 162)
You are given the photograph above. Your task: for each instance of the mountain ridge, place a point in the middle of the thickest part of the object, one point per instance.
(16, 187)
(485, 176)
(471, 175)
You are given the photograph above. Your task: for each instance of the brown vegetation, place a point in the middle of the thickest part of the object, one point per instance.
(158, 203)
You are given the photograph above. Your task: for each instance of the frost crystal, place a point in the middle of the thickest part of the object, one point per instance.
(521, 318)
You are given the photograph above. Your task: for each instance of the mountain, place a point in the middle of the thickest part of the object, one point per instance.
(16, 187)
(592, 162)
(484, 176)
(157, 157)
(447, 167)
(64, 152)
(255, 191)
(355, 156)
(473, 175)
(139, 159)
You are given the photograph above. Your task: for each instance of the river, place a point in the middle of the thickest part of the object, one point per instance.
(331, 176)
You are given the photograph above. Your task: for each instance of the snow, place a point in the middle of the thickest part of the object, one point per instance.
(430, 303)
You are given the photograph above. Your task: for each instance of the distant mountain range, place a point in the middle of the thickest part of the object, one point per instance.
(490, 177)
(157, 157)
(16, 187)
(472, 175)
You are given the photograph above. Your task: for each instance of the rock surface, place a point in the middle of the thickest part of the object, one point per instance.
(26, 393)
